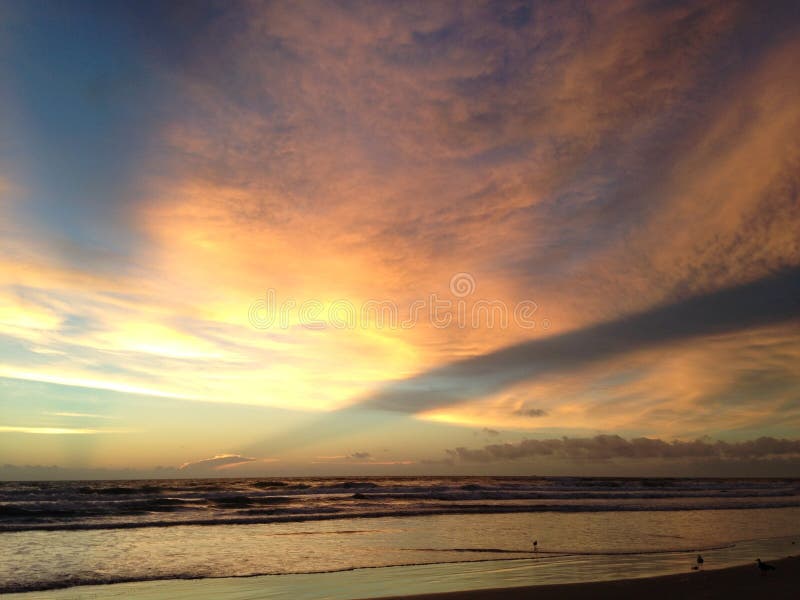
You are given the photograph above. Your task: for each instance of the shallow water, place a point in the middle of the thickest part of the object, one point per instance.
(48, 559)
(440, 577)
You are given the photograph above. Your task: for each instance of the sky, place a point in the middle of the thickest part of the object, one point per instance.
(399, 238)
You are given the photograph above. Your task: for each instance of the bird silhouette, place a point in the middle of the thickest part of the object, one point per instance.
(535, 545)
(700, 562)
(764, 567)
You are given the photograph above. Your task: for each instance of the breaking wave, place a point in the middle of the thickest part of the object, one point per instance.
(164, 503)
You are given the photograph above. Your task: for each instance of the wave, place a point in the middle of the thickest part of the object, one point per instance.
(161, 503)
(332, 513)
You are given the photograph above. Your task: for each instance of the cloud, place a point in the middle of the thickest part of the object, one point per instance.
(60, 430)
(609, 447)
(492, 432)
(355, 457)
(600, 159)
(530, 412)
(747, 380)
(767, 301)
(218, 462)
(78, 415)
(360, 456)
(543, 131)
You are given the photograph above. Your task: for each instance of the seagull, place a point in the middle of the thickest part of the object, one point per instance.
(535, 545)
(764, 567)
(700, 562)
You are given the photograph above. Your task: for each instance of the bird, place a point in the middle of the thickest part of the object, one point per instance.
(764, 567)
(535, 545)
(700, 561)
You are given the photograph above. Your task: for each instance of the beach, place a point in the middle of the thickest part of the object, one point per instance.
(735, 582)
(309, 538)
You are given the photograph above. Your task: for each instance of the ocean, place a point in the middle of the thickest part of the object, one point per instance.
(62, 534)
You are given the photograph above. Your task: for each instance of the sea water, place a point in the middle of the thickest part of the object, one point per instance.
(60, 534)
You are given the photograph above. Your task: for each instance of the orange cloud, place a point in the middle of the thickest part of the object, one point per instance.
(372, 153)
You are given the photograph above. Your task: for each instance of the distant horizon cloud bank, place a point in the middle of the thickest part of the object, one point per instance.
(608, 447)
(775, 455)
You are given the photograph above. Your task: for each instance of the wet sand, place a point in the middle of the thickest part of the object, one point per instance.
(736, 582)
(743, 581)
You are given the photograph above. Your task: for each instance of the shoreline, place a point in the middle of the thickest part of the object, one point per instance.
(731, 582)
(507, 583)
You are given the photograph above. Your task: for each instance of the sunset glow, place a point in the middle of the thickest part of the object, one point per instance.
(481, 224)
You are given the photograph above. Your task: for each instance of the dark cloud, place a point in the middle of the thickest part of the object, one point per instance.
(530, 412)
(767, 301)
(608, 447)
(360, 456)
